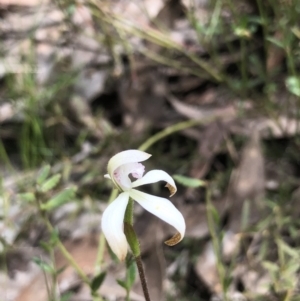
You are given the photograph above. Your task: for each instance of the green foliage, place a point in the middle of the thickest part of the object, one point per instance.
(44, 186)
(50, 183)
(131, 273)
(276, 42)
(122, 283)
(66, 296)
(129, 280)
(214, 225)
(28, 197)
(132, 239)
(293, 85)
(59, 199)
(189, 182)
(52, 242)
(213, 212)
(97, 281)
(43, 175)
(47, 267)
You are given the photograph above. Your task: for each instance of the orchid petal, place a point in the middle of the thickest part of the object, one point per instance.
(154, 176)
(121, 174)
(112, 225)
(128, 156)
(162, 208)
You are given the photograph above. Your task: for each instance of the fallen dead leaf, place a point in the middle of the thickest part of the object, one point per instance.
(194, 112)
(84, 252)
(247, 183)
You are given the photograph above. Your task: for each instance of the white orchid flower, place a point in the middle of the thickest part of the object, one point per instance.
(119, 168)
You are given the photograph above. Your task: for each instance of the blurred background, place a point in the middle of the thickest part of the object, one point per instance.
(82, 80)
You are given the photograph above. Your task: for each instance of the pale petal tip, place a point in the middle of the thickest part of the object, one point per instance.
(119, 252)
(171, 188)
(122, 256)
(174, 240)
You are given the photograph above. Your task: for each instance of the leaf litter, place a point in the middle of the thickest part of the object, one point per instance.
(117, 96)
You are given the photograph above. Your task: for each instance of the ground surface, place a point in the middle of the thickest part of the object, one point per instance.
(210, 89)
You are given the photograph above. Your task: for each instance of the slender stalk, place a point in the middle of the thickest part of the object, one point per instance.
(216, 241)
(135, 246)
(59, 244)
(127, 295)
(173, 129)
(4, 156)
(265, 34)
(154, 36)
(129, 212)
(139, 265)
(171, 63)
(67, 255)
(243, 66)
(71, 260)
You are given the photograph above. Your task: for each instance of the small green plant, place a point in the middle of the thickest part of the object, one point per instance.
(129, 278)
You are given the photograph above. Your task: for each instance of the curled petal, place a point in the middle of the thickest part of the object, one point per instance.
(154, 176)
(112, 225)
(125, 157)
(174, 240)
(121, 174)
(163, 209)
(128, 156)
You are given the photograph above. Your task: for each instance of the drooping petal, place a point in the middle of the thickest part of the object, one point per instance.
(128, 156)
(112, 225)
(162, 208)
(154, 176)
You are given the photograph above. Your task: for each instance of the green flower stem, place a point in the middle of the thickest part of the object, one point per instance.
(132, 239)
(129, 212)
(173, 129)
(216, 241)
(135, 248)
